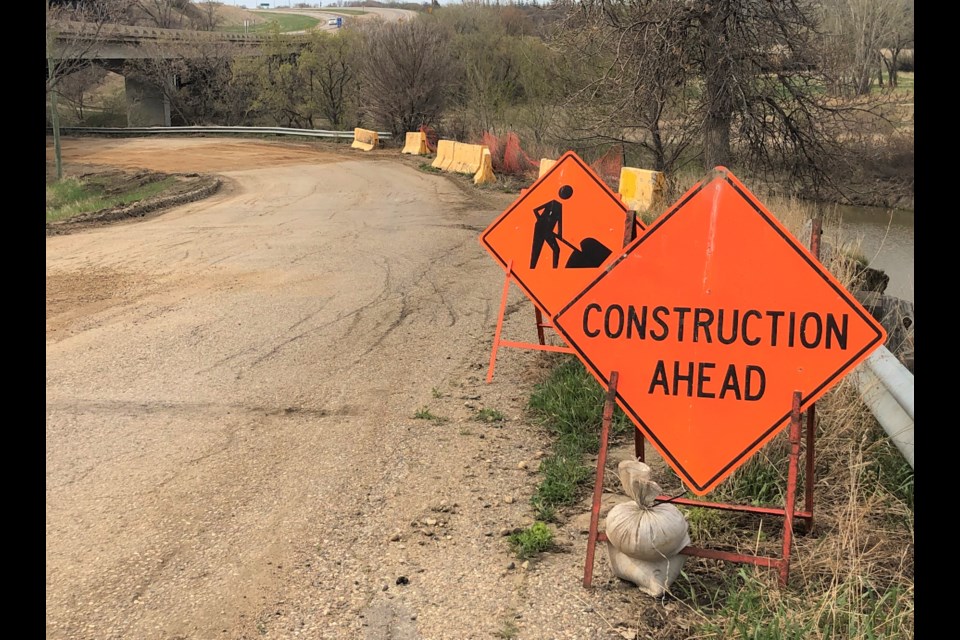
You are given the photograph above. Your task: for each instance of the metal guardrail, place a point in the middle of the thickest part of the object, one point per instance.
(886, 386)
(124, 33)
(279, 131)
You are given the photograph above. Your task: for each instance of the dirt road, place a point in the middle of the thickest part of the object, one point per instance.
(231, 389)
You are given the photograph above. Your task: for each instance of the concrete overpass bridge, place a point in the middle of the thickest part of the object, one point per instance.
(112, 45)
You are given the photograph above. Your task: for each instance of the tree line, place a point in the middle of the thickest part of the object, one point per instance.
(798, 89)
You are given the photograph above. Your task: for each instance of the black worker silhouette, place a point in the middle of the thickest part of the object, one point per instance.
(591, 253)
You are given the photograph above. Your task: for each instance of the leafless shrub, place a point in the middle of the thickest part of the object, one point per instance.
(406, 74)
(197, 81)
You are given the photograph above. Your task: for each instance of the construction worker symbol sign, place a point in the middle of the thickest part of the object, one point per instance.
(559, 233)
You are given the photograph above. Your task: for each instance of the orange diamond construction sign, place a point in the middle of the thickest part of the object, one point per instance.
(713, 318)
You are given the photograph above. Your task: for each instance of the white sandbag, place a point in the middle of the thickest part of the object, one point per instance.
(647, 533)
(653, 578)
(644, 538)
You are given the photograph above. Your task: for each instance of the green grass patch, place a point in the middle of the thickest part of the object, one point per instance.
(706, 524)
(424, 413)
(74, 196)
(284, 23)
(749, 611)
(531, 541)
(569, 403)
(508, 631)
(488, 415)
(904, 83)
(762, 480)
(648, 216)
(886, 468)
(564, 476)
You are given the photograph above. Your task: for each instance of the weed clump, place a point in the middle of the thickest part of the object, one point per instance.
(531, 541)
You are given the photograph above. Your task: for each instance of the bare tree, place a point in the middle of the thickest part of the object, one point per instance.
(899, 37)
(631, 80)
(861, 30)
(406, 72)
(196, 77)
(165, 14)
(743, 73)
(282, 89)
(75, 33)
(206, 15)
(330, 64)
(75, 88)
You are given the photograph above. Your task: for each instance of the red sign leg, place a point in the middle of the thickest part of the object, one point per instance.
(540, 337)
(808, 479)
(496, 336)
(598, 485)
(791, 487)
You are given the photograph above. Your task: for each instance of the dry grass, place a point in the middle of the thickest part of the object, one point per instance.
(231, 16)
(852, 576)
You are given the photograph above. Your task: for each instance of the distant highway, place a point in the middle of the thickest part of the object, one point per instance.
(324, 15)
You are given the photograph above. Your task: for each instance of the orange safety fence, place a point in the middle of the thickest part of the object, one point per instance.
(608, 166)
(432, 137)
(492, 142)
(515, 159)
(507, 155)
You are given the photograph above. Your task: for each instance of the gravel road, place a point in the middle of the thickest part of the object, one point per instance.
(231, 390)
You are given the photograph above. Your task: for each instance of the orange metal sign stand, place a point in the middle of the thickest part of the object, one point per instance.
(788, 512)
(541, 325)
(782, 564)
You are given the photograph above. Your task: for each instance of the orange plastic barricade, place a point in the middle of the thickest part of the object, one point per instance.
(545, 164)
(484, 174)
(365, 139)
(444, 155)
(641, 189)
(415, 144)
(466, 158)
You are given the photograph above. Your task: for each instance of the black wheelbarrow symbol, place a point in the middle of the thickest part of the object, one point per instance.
(590, 255)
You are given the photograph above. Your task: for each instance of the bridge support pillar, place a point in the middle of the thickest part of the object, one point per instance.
(147, 105)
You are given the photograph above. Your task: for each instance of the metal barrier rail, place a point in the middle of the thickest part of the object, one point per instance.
(137, 131)
(124, 33)
(886, 386)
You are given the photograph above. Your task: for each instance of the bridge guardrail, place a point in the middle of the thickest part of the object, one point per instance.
(137, 131)
(120, 32)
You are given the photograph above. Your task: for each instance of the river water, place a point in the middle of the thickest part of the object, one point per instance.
(884, 236)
